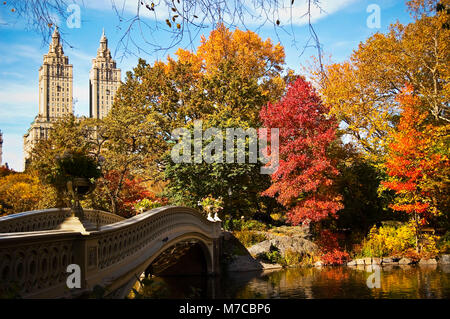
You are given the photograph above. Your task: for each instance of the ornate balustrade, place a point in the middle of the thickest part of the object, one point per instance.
(36, 261)
(47, 219)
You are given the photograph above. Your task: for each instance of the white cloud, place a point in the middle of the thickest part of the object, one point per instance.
(284, 11)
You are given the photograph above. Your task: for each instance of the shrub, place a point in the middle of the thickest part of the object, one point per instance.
(249, 238)
(242, 225)
(331, 252)
(429, 246)
(274, 256)
(146, 204)
(444, 243)
(334, 257)
(292, 257)
(390, 240)
(253, 225)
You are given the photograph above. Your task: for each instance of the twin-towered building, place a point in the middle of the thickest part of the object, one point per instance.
(56, 89)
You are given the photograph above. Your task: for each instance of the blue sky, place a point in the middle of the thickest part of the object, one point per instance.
(340, 28)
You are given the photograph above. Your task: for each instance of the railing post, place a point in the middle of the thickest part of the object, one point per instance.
(86, 257)
(79, 258)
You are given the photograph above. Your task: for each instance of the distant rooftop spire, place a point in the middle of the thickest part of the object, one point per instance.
(55, 32)
(103, 38)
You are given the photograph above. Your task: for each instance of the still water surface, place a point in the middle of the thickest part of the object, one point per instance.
(431, 281)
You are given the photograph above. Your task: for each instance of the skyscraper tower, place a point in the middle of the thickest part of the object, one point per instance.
(55, 93)
(55, 82)
(104, 80)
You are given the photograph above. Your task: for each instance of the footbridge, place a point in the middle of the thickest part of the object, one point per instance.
(112, 254)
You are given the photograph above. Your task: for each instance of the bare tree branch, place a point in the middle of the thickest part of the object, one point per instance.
(179, 19)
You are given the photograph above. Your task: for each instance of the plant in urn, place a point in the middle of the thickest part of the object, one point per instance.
(75, 174)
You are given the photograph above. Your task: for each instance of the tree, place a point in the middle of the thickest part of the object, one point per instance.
(239, 184)
(361, 91)
(216, 81)
(303, 181)
(19, 192)
(68, 135)
(418, 164)
(131, 191)
(227, 91)
(358, 182)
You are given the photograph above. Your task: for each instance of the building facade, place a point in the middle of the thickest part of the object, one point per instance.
(55, 93)
(56, 89)
(104, 80)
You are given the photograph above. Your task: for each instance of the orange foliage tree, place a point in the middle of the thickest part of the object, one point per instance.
(417, 163)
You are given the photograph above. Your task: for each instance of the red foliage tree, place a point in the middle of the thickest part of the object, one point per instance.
(131, 191)
(303, 181)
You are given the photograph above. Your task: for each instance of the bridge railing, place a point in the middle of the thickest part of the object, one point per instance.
(120, 240)
(47, 219)
(35, 262)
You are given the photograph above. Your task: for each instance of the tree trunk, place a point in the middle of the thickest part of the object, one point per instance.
(418, 246)
(113, 206)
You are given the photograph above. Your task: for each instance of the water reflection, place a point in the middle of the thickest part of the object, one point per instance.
(430, 281)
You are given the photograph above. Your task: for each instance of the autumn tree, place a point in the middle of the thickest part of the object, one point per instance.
(19, 192)
(224, 83)
(418, 164)
(361, 91)
(119, 142)
(236, 89)
(303, 182)
(68, 135)
(132, 190)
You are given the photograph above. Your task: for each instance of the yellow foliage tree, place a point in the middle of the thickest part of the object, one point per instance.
(19, 192)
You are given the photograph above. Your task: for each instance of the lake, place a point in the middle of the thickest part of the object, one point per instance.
(430, 281)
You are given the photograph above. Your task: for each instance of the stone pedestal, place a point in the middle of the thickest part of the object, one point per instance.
(73, 223)
(77, 222)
